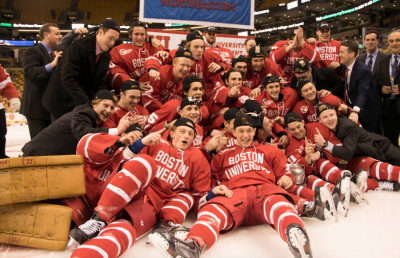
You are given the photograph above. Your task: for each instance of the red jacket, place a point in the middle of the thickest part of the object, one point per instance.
(286, 61)
(253, 80)
(225, 53)
(219, 98)
(162, 90)
(329, 52)
(119, 112)
(127, 62)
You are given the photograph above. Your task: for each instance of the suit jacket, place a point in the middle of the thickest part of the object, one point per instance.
(77, 78)
(384, 80)
(379, 59)
(36, 79)
(62, 136)
(324, 79)
(362, 92)
(358, 142)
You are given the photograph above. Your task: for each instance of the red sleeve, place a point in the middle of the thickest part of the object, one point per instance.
(150, 100)
(310, 53)
(92, 146)
(7, 88)
(278, 161)
(117, 70)
(294, 157)
(168, 112)
(216, 168)
(278, 53)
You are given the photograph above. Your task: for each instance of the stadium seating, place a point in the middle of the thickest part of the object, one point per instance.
(100, 9)
(17, 77)
(42, 13)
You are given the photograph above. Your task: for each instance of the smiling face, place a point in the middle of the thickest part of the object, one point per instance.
(371, 42)
(328, 118)
(257, 64)
(324, 35)
(104, 109)
(297, 129)
(138, 36)
(266, 128)
(244, 135)
(345, 57)
(241, 66)
(52, 38)
(190, 111)
(106, 40)
(196, 90)
(273, 90)
(309, 92)
(228, 126)
(251, 43)
(182, 137)
(394, 42)
(181, 66)
(235, 79)
(197, 48)
(130, 98)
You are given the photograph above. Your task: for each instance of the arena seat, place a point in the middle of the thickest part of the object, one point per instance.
(42, 10)
(100, 9)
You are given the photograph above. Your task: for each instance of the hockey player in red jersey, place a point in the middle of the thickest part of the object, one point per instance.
(129, 103)
(258, 68)
(231, 94)
(251, 171)
(328, 49)
(127, 60)
(211, 44)
(307, 108)
(166, 183)
(239, 62)
(169, 84)
(287, 52)
(206, 63)
(192, 86)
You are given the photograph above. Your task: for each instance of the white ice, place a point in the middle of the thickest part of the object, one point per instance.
(369, 231)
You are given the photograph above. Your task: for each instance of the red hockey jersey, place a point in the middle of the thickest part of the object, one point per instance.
(198, 141)
(169, 112)
(119, 112)
(309, 112)
(7, 88)
(286, 61)
(295, 150)
(288, 99)
(162, 90)
(219, 98)
(253, 80)
(225, 53)
(328, 52)
(127, 62)
(258, 164)
(177, 171)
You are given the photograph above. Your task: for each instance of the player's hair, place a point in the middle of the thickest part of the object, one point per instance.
(102, 28)
(97, 101)
(176, 60)
(188, 44)
(130, 31)
(372, 32)
(352, 46)
(186, 88)
(247, 40)
(394, 31)
(233, 70)
(46, 28)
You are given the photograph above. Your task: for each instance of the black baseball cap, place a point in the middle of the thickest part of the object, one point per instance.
(244, 120)
(186, 101)
(237, 59)
(291, 34)
(301, 83)
(231, 114)
(323, 26)
(292, 117)
(252, 106)
(270, 78)
(193, 35)
(110, 24)
(255, 52)
(323, 107)
(183, 53)
(301, 66)
(211, 28)
(131, 84)
(104, 94)
(185, 122)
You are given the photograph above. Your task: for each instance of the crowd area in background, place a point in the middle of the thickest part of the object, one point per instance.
(151, 123)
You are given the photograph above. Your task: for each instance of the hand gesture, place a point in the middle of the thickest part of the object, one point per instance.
(161, 54)
(285, 182)
(324, 93)
(386, 89)
(309, 149)
(354, 117)
(282, 81)
(342, 108)
(255, 93)
(311, 41)
(57, 57)
(212, 144)
(130, 138)
(300, 36)
(81, 31)
(123, 124)
(234, 92)
(137, 120)
(144, 86)
(334, 65)
(283, 141)
(213, 67)
(154, 74)
(223, 141)
(155, 42)
(278, 120)
(222, 190)
(318, 138)
(153, 138)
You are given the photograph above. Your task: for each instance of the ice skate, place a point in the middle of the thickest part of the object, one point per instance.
(357, 195)
(388, 186)
(341, 194)
(360, 178)
(298, 241)
(323, 207)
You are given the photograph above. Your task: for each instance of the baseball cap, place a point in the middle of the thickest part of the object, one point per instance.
(110, 24)
(186, 101)
(255, 52)
(301, 83)
(301, 66)
(323, 26)
(183, 53)
(131, 84)
(104, 94)
(292, 117)
(211, 28)
(323, 107)
(270, 78)
(243, 120)
(238, 58)
(193, 35)
(185, 122)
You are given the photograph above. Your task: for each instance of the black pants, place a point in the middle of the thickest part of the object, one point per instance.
(372, 127)
(391, 124)
(3, 132)
(36, 125)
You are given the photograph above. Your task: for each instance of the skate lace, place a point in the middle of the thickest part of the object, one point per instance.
(92, 226)
(385, 185)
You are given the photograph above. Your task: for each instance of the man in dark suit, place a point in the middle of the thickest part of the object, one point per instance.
(39, 63)
(62, 136)
(359, 92)
(82, 72)
(388, 82)
(324, 78)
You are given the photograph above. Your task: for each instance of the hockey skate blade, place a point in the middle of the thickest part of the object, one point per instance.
(362, 179)
(72, 244)
(298, 240)
(326, 196)
(357, 195)
(162, 245)
(343, 205)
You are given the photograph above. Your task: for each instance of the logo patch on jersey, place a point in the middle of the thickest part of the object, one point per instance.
(172, 85)
(304, 109)
(300, 149)
(266, 102)
(123, 52)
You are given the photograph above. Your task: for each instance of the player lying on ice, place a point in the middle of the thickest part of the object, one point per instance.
(251, 171)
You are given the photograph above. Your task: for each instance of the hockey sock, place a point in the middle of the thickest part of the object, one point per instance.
(328, 171)
(136, 174)
(301, 191)
(313, 181)
(112, 242)
(370, 185)
(212, 218)
(278, 211)
(177, 209)
(384, 171)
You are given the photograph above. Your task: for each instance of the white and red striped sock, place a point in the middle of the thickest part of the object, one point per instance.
(328, 171)
(177, 209)
(312, 182)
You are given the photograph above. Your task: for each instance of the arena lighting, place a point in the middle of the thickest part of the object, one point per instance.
(292, 5)
(295, 25)
(344, 12)
(19, 25)
(281, 4)
(243, 33)
(305, 1)
(77, 25)
(261, 12)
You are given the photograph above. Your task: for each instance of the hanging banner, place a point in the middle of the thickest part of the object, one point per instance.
(171, 40)
(222, 13)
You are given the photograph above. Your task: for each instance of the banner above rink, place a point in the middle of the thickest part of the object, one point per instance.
(222, 13)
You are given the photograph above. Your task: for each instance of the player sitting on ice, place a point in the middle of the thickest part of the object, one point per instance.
(361, 149)
(137, 195)
(250, 171)
(307, 108)
(128, 103)
(192, 86)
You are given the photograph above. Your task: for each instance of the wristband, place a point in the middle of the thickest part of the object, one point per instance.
(210, 194)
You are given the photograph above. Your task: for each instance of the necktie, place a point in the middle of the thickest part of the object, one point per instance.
(52, 55)
(370, 62)
(394, 67)
(346, 91)
(98, 57)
